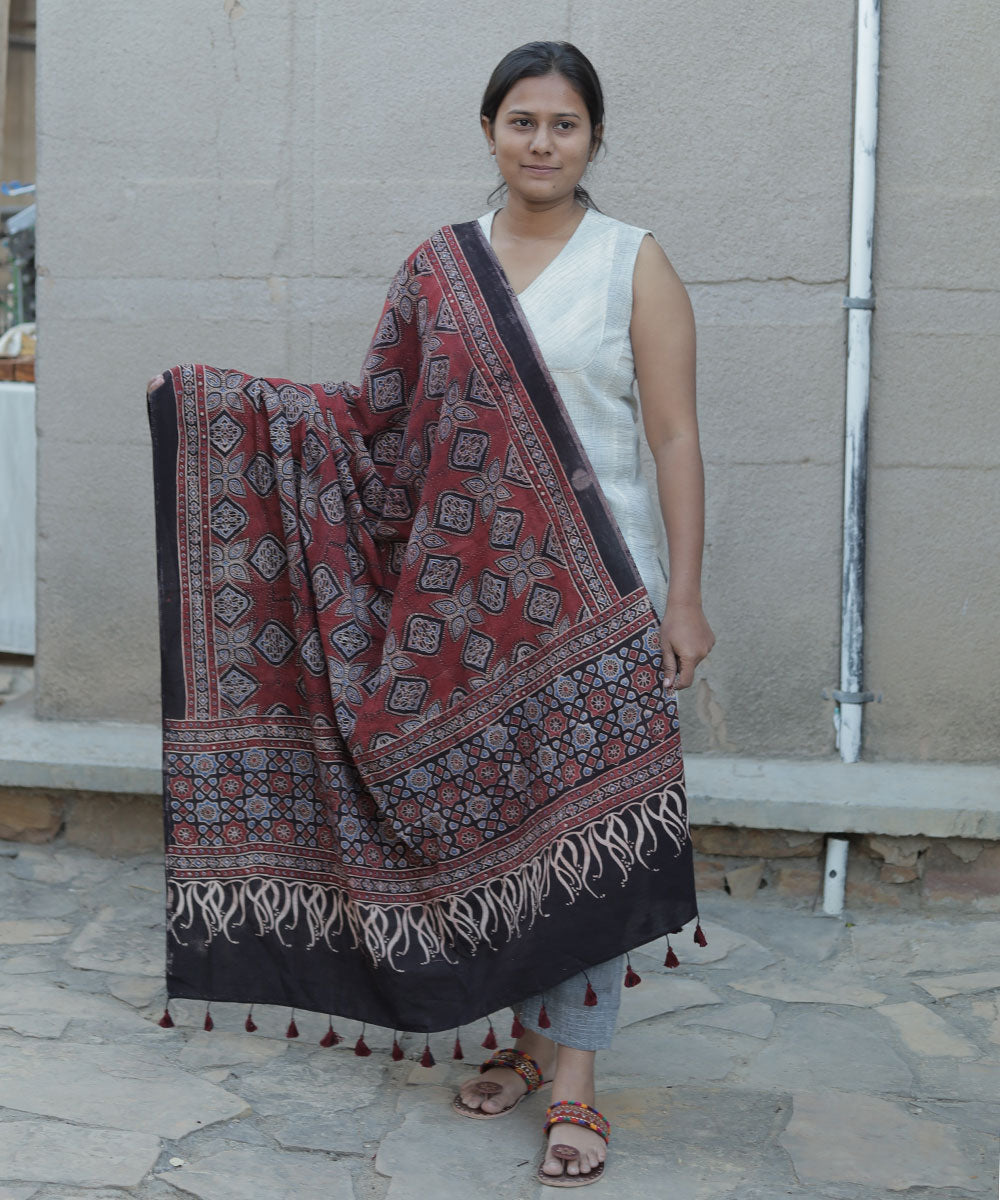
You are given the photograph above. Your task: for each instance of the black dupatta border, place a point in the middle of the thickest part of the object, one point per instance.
(515, 333)
(162, 405)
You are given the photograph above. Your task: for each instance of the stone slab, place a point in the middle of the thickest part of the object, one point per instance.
(57, 1152)
(17, 1191)
(924, 945)
(941, 986)
(222, 1049)
(40, 1025)
(30, 931)
(87, 756)
(109, 1087)
(876, 1144)
(669, 1058)
(277, 1173)
(755, 1019)
(989, 1011)
(723, 946)
(326, 1081)
(137, 990)
(828, 796)
(961, 1081)
(813, 1050)
(795, 934)
(660, 994)
(823, 991)
(122, 941)
(926, 1033)
(28, 964)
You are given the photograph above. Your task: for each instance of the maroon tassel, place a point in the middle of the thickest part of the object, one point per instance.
(699, 937)
(167, 1021)
(209, 1023)
(293, 1030)
(671, 960)
(330, 1038)
(427, 1059)
(457, 1053)
(632, 977)
(397, 1049)
(490, 1041)
(517, 1029)
(249, 1024)
(361, 1047)
(543, 1018)
(591, 997)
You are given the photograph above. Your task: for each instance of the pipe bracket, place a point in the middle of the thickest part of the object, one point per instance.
(858, 302)
(851, 697)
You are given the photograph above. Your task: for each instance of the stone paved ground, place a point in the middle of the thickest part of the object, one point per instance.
(801, 1056)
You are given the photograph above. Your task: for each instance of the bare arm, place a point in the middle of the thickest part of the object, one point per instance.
(663, 342)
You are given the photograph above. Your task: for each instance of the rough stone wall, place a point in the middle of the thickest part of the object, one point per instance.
(241, 182)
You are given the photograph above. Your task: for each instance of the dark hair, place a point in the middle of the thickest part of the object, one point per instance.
(547, 58)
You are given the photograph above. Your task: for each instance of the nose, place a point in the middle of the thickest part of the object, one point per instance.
(541, 143)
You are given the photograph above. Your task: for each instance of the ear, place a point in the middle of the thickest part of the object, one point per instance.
(596, 138)
(487, 125)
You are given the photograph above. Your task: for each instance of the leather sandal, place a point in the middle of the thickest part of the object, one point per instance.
(569, 1112)
(519, 1062)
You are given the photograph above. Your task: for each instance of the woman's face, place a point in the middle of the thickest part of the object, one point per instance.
(542, 139)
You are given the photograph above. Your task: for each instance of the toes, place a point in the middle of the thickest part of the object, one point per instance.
(552, 1166)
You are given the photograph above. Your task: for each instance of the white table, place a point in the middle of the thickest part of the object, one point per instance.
(17, 518)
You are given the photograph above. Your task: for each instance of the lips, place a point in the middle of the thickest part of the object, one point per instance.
(540, 170)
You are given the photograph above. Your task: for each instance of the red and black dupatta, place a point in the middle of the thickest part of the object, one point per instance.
(419, 763)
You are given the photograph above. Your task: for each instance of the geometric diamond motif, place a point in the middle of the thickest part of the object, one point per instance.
(228, 519)
(326, 589)
(455, 513)
(331, 501)
(469, 448)
(542, 605)
(407, 695)
(492, 592)
(224, 432)
(477, 651)
(422, 634)
(350, 640)
(505, 528)
(230, 604)
(260, 474)
(439, 573)
(311, 653)
(237, 686)
(268, 558)
(275, 643)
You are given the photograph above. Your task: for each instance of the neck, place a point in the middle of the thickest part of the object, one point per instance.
(519, 219)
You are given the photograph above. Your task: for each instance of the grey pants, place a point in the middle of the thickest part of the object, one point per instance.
(573, 1023)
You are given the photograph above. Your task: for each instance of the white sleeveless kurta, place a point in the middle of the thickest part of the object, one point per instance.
(579, 310)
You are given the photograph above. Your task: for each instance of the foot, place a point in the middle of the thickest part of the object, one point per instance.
(590, 1148)
(498, 1088)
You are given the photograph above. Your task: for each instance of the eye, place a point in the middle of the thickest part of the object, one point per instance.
(521, 121)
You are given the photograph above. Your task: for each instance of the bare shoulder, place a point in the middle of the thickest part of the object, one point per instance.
(656, 286)
(654, 276)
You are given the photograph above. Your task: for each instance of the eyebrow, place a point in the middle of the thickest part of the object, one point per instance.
(524, 112)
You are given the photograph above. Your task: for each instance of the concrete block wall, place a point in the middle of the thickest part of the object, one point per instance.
(235, 182)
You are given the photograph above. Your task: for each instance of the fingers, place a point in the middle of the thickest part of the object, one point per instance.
(669, 665)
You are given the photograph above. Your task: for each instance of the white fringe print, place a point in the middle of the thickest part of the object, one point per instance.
(504, 906)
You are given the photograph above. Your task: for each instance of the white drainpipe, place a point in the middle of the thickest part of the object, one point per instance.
(859, 302)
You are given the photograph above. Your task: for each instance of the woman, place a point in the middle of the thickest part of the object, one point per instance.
(542, 115)
(418, 761)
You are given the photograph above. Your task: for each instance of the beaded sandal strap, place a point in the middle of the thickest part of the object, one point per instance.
(571, 1112)
(518, 1061)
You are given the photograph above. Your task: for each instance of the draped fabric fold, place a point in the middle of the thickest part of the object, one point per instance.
(419, 762)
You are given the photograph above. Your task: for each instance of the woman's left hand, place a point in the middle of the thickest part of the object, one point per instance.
(686, 638)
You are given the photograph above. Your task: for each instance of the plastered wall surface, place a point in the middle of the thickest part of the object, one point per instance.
(232, 183)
